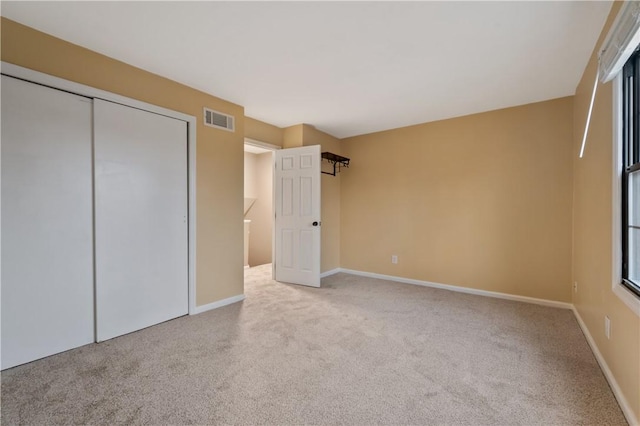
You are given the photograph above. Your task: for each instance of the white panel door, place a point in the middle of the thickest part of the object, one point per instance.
(140, 219)
(297, 208)
(47, 250)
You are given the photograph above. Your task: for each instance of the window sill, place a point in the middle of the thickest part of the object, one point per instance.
(629, 299)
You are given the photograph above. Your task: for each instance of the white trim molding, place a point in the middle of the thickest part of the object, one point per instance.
(219, 304)
(329, 273)
(622, 401)
(617, 392)
(495, 294)
(260, 144)
(91, 92)
(84, 90)
(629, 299)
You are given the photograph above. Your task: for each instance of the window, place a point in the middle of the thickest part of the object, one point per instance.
(631, 174)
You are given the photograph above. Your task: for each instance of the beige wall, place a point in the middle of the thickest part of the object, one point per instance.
(593, 236)
(219, 153)
(263, 132)
(292, 136)
(258, 175)
(250, 190)
(482, 201)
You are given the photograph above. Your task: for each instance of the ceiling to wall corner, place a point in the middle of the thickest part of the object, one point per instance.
(346, 67)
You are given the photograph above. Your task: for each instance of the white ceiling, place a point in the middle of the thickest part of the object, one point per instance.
(347, 68)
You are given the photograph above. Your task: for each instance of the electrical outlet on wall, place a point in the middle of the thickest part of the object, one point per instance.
(575, 286)
(394, 259)
(607, 327)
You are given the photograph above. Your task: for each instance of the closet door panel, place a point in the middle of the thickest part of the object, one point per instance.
(140, 218)
(47, 251)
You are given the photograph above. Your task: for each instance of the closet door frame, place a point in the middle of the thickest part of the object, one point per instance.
(91, 92)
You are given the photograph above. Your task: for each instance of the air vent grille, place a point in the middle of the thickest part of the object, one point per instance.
(219, 120)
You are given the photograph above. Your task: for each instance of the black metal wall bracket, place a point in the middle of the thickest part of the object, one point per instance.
(338, 162)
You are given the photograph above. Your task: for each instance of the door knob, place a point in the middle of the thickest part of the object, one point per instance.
(316, 223)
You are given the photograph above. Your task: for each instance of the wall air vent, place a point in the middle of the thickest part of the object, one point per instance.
(219, 120)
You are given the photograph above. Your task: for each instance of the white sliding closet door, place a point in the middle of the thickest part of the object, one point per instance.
(47, 252)
(140, 218)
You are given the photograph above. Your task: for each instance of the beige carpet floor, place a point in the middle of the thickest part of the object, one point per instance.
(357, 351)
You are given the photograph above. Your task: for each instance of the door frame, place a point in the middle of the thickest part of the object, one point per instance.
(91, 92)
(273, 149)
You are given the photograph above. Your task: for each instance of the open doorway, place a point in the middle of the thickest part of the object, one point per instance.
(258, 202)
(282, 194)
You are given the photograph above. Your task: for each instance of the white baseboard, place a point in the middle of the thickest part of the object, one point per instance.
(617, 392)
(459, 289)
(329, 273)
(219, 304)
